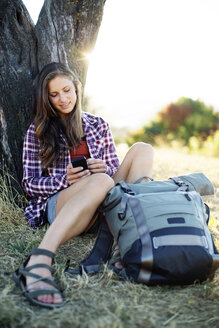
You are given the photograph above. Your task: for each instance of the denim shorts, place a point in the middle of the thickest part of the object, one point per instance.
(51, 208)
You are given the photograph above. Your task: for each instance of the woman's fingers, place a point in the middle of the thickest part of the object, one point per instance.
(96, 165)
(98, 170)
(75, 174)
(77, 177)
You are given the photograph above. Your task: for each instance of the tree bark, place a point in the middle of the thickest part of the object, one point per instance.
(66, 30)
(18, 66)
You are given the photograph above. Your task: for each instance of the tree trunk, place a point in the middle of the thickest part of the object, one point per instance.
(66, 30)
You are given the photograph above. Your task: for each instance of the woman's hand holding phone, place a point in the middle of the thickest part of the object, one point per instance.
(94, 165)
(76, 173)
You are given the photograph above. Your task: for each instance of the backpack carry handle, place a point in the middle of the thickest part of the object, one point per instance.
(198, 182)
(140, 179)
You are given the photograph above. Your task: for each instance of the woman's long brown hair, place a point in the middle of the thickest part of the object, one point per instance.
(48, 123)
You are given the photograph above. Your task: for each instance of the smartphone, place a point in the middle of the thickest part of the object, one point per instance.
(81, 161)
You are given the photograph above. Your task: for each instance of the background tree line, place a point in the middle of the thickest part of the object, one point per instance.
(190, 123)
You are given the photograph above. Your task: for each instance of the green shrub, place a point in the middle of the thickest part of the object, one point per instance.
(189, 122)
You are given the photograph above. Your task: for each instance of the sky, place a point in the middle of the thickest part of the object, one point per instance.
(150, 53)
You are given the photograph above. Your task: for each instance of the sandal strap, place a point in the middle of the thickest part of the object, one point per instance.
(42, 251)
(39, 265)
(39, 292)
(38, 278)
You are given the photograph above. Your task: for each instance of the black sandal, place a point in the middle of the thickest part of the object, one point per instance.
(20, 280)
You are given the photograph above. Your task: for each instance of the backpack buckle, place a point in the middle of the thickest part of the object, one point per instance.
(129, 191)
(183, 187)
(123, 207)
(180, 183)
(121, 215)
(125, 188)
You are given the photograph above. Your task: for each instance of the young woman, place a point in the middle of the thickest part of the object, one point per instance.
(64, 196)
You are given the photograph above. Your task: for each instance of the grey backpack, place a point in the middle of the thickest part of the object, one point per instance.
(161, 231)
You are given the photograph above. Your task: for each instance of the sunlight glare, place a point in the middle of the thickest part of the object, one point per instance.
(167, 52)
(88, 56)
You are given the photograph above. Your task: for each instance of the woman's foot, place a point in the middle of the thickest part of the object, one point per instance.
(34, 277)
(33, 284)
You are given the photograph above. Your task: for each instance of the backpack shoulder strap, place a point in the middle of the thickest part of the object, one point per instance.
(99, 254)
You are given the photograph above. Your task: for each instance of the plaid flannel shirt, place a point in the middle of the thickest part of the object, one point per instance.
(40, 187)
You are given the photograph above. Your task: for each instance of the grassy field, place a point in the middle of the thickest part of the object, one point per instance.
(103, 300)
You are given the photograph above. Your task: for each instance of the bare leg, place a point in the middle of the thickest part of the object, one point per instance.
(137, 163)
(76, 206)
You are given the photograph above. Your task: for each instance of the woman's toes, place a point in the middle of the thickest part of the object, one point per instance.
(40, 298)
(57, 299)
(49, 299)
(45, 298)
(119, 265)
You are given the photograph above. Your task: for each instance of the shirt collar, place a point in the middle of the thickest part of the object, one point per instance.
(89, 121)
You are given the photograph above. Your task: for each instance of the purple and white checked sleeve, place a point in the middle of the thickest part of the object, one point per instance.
(100, 142)
(33, 182)
(110, 156)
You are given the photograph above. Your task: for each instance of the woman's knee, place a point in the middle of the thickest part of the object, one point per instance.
(102, 180)
(142, 147)
(98, 183)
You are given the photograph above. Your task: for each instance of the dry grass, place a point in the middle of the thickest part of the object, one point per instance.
(103, 300)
